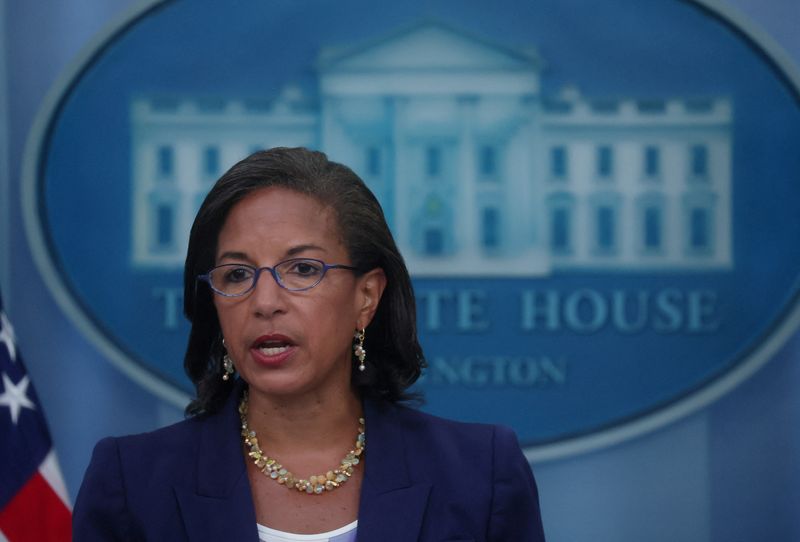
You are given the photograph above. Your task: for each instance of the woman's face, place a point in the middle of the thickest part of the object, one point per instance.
(286, 343)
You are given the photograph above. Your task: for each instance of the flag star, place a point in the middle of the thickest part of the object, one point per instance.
(15, 396)
(7, 336)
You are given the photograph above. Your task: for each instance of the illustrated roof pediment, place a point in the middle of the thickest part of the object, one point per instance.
(427, 46)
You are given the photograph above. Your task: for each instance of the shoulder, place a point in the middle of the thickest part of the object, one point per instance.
(152, 455)
(439, 444)
(475, 471)
(152, 460)
(132, 477)
(160, 446)
(172, 437)
(147, 460)
(415, 424)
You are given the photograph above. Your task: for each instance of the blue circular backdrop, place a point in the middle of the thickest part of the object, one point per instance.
(550, 384)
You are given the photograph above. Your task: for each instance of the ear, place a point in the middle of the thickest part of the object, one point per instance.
(370, 289)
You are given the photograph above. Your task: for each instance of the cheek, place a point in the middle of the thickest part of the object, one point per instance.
(226, 315)
(335, 320)
(333, 338)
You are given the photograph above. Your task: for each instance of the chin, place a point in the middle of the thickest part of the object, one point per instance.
(284, 386)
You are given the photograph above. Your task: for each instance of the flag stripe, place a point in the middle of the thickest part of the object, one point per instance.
(34, 504)
(51, 472)
(36, 513)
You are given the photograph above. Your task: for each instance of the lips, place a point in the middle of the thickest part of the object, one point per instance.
(272, 341)
(272, 350)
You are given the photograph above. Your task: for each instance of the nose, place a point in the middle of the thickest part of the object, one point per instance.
(268, 297)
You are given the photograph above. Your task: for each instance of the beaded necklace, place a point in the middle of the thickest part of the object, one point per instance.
(314, 485)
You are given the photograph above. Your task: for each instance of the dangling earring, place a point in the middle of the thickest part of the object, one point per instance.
(358, 348)
(227, 364)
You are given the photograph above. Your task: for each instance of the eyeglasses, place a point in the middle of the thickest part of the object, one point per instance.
(296, 275)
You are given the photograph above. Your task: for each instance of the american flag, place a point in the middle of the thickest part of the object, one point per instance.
(34, 506)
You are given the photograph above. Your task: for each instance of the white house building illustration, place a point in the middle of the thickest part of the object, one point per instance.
(478, 172)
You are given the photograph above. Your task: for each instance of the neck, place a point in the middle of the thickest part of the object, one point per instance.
(317, 421)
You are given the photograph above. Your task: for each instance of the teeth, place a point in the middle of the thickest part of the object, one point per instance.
(273, 351)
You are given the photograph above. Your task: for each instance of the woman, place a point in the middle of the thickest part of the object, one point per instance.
(303, 342)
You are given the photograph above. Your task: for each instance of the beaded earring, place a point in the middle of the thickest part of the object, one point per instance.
(227, 364)
(358, 348)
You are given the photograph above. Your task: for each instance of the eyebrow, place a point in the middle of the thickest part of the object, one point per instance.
(293, 251)
(299, 249)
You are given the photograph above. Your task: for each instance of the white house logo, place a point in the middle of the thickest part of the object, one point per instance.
(478, 172)
(589, 246)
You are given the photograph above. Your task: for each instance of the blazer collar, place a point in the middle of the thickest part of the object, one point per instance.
(220, 462)
(392, 505)
(221, 506)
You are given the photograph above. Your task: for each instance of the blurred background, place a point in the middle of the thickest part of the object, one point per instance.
(707, 455)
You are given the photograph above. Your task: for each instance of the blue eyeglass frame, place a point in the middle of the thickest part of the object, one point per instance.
(257, 270)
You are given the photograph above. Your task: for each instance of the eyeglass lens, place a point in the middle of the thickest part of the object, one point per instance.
(295, 274)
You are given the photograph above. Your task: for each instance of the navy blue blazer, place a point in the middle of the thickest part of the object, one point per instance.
(426, 479)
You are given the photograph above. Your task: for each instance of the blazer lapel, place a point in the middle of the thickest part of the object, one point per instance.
(392, 506)
(221, 506)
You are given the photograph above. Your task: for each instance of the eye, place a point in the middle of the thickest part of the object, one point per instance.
(304, 268)
(234, 274)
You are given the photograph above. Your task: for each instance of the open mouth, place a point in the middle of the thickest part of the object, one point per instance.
(272, 350)
(272, 346)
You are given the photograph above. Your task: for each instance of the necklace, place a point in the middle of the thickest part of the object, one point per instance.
(314, 485)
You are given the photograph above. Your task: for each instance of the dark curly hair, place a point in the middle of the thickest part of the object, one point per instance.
(391, 337)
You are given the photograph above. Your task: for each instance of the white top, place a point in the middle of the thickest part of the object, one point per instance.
(342, 534)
